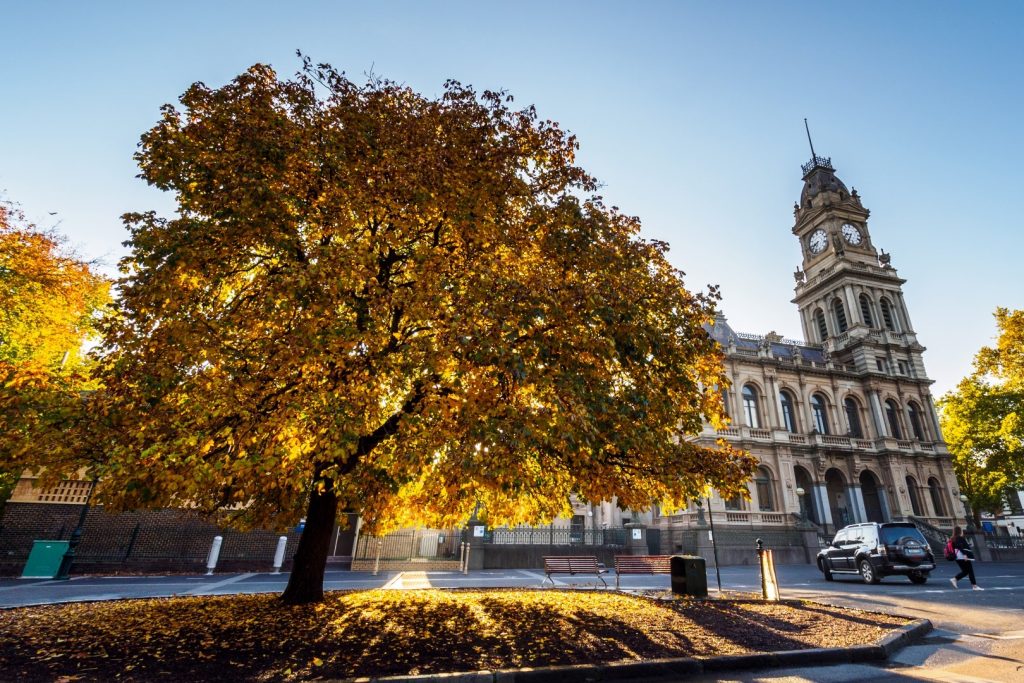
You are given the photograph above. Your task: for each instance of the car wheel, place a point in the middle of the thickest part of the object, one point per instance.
(918, 578)
(867, 572)
(825, 569)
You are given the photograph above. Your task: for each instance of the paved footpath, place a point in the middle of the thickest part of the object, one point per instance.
(979, 636)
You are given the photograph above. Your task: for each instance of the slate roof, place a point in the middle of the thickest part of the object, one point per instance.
(723, 333)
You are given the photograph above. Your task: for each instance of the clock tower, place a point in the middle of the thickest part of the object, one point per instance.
(847, 291)
(849, 296)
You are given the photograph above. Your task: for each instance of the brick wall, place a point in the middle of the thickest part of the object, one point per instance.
(143, 540)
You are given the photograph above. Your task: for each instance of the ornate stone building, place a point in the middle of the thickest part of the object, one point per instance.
(846, 418)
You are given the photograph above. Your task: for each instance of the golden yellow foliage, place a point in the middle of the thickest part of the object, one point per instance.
(48, 296)
(49, 302)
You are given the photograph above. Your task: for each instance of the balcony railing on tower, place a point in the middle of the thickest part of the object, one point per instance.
(817, 162)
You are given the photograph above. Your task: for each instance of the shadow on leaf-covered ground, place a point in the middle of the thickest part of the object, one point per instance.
(256, 638)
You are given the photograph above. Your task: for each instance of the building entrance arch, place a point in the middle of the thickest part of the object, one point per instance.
(810, 498)
(870, 488)
(835, 489)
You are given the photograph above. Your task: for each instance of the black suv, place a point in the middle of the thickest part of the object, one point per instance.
(875, 550)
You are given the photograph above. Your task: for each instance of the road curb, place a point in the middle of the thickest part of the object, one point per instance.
(655, 669)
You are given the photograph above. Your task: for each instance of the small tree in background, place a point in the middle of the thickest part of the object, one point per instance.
(49, 301)
(983, 419)
(378, 301)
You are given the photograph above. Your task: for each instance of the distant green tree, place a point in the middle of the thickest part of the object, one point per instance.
(982, 418)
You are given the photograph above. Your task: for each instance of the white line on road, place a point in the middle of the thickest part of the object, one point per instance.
(940, 675)
(206, 588)
(394, 583)
(1009, 635)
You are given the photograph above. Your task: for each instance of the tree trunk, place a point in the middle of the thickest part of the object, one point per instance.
(306, 582)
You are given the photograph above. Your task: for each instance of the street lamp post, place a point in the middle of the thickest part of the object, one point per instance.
(714, 546)
(803, 510)
(967, 514)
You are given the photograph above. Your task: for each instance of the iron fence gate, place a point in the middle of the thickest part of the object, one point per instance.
(411, 544)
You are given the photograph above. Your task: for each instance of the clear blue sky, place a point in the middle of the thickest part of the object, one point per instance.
(690, 113)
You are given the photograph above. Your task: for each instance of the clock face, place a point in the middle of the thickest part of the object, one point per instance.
(852, 234)
(817, 242)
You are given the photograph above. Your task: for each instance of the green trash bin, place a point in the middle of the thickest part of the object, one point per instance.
(44, 560)
(689, 575)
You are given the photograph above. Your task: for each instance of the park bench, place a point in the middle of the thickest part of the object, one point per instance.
(641, 564)
(573, 565)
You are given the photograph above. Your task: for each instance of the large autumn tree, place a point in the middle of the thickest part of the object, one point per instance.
(49, 301)
(983, 418)
(404, 306)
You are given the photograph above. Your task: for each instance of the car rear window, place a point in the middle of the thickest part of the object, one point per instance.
(893, 534)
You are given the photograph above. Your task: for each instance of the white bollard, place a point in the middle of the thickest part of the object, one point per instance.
(279, 554)
(211, 559)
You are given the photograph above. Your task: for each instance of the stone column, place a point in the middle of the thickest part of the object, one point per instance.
(883, 501)
(821, 500)
(936, 429)
(856, 499)
(852, 309)
(776, 404)
(881, 428)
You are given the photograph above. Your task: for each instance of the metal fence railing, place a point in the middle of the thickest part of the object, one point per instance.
(410, 544)
(555, 536)
(998, 541)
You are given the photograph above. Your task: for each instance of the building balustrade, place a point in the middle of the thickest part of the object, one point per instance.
(742, 432)
(734, 517)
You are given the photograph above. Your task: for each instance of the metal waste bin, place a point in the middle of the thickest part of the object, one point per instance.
(689, 575)
(44, 560)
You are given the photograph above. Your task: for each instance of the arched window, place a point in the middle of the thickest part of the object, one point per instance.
(725, 402)
(840, 311)
(892, 413)
(916, 424)
(889, 316)
(936, 492)
(788, 411)
(819, 320)
(763, 482)
(853, 418)
(750, 407)
(820, 413)
(735, 504)
(915, 504)
(865, 310)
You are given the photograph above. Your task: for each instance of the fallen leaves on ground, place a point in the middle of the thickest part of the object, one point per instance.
(256, 638)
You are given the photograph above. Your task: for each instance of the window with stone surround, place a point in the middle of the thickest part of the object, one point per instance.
(750, 412)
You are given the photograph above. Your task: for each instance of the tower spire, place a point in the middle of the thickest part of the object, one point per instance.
(816, 161)
(807, 128)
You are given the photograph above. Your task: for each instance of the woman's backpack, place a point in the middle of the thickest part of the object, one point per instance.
(950, 550)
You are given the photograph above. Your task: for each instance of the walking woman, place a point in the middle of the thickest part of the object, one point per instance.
(964, 558)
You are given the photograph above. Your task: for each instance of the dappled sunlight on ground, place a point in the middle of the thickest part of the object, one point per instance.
(381, 632)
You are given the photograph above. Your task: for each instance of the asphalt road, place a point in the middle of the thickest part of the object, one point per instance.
(979, 635)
